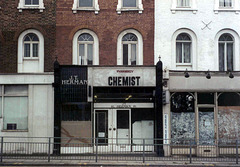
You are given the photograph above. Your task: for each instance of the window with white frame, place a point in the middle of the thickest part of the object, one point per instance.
(14, 105)
(129, 5)
(85, 48)
(130, 48)
(183, 49)
(30, 4)
(31, 51)
(183, 3)
(31, 44)
(87, 5)
(129, 42)
(225, 3)
(225, 52)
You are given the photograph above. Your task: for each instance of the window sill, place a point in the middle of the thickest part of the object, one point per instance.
(216, 11)
(140, 10)
(85, 9)
(31, 8)
(30, 58)
(184, 9)
(14, 130)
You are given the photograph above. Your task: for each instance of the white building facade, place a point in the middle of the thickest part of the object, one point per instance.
(198, 42)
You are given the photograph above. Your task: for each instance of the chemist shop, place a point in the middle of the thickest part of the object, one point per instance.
(112, 104)
(203, 110)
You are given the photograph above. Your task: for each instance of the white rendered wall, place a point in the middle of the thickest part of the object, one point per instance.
(168, 22)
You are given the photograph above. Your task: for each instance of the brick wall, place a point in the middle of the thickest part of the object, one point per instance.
(107, 25)
(14, 22)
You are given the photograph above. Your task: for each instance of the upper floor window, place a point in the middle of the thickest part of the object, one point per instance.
(30, 4)
(129, 42)
(87, 5)
(31, 51)
(85, 48)
(225, 3)
(183, 49)
(130, 48)
(183, 3)
(129, 5)
(225, 51)
(31, 44)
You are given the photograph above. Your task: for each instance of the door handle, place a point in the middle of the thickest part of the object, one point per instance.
(114, 128)
(110, 129)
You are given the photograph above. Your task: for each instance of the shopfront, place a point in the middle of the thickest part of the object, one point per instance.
(113, 107)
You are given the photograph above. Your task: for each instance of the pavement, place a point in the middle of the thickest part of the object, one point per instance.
(57, 163)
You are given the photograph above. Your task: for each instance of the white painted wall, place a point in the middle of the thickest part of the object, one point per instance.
(167, 23)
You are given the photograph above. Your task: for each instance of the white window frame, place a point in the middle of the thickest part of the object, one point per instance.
(75, 55)
(3, 95)
(182, 45)
(234, 8)
(40, 57)
(183, 66)
(129, 43)
(139, 51)
(192, 6)
(31, 49)
(85, 43)
(236, 48)
(21, 6)
(120, 8)
(76, 7)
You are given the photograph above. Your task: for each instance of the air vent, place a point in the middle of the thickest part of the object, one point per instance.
(11, 126)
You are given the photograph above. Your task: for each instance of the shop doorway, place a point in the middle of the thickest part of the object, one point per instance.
(122, 130)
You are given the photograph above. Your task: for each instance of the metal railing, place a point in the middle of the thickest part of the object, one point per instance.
(101, 149)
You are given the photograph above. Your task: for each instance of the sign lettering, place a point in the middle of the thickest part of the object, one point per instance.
(124, 81)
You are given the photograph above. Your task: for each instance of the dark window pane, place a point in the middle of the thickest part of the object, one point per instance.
(26, 50)
(85, 37)
(85, 3)
(35, 2)
(129, 3)
(90, 54)
(229, 99)
(133, 54)
(129, 37)
(205, 98)
(187, 52)
(27, 2)
(230, 57)
(125, 54)
(35, 50)
(221, 56)
(122, 119)
(179, 52)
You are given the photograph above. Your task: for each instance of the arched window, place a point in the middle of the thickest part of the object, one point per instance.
(31, 44)
(225, 52)
(129, 42)
(130, 48)
(85, 48)
(31, 51)
(183, 49)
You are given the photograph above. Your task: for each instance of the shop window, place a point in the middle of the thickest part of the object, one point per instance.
(130, 48)
(74, 117)
(85, 5)
(225, 47)
(228, 117)
(129, 5)
(184, 5)
(31, 4)
(85, 48)
(183, 49)
(14, 103)
(182, 118)
(30, 52)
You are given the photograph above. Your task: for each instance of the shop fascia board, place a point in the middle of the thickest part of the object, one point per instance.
(30, 78)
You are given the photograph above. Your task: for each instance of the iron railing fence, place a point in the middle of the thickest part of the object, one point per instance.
(115, 149)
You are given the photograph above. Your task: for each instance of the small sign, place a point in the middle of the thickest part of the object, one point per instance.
(165, 128)
(101, 134)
